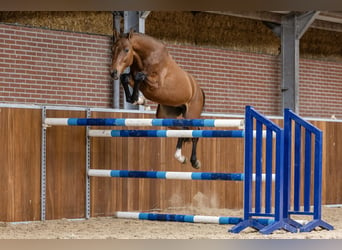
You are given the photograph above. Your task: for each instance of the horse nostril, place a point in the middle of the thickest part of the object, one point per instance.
(113, 73)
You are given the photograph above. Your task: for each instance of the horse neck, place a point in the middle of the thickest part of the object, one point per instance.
(143, 46)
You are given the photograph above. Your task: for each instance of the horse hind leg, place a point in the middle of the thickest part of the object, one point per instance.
(193, 111)
(178, 154)
(194, 162)
(164, 111)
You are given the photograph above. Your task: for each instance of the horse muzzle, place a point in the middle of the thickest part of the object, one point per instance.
(114, 74)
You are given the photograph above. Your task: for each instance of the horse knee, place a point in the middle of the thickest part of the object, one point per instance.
(140, 76)
(124, 78)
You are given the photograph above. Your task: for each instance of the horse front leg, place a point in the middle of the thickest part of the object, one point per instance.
(138, 79)
(125, 79)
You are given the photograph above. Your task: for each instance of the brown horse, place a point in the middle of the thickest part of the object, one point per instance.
(160, 79)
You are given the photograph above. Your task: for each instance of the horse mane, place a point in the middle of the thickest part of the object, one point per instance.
(150, 41)
(143, 35)
(126, 35)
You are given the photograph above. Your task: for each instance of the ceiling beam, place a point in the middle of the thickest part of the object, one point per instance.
(331, 21)
(304, 21)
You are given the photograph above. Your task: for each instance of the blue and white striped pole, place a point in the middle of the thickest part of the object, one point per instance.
(172, 133)
(180, 218)
(145, 122)
(171, 175)
(166, 133)
(222, 220)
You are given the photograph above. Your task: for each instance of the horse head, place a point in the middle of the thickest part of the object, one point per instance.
(122, 54)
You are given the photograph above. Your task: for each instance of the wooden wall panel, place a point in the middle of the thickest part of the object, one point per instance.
(112, 194)
(20, 176)
(20, 138)
(65, 168)
(333, 166)
(156, 154)
(107, 195)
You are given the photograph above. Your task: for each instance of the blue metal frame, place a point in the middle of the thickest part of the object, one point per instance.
(250, 219)
(310, 131)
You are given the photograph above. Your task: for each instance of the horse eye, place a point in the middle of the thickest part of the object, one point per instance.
(126, 50)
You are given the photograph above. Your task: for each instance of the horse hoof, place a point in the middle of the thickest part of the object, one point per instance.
(129, 100)
(140, 76)
(140, 101)
(197, 165)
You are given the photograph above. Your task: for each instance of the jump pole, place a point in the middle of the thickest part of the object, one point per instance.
(173, 175)
(281, 214)
(172, 133)
(222, 220)
(144, 122)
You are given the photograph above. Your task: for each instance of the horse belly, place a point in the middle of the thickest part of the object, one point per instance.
(170, 86)
(170, 97)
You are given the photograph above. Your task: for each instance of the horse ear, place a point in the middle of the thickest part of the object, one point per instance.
(115, 35)
(130, 34)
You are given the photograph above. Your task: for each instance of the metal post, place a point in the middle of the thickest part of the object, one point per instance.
(117, 15)
(43, 168)
(290, 63)
(292, 28)
(142, 16)
(131, 21)
(134, 20)
(87, 208)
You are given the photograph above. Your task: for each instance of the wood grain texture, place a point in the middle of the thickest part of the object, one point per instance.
(333, 163)
(20, 138)
(156, 154)
(65, 168)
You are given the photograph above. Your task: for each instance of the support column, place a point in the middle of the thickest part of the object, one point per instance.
(132, 20)
(291, 29)
(117, 15)
(289, 63)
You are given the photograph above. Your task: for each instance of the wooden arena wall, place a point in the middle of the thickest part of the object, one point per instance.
(20, 137)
